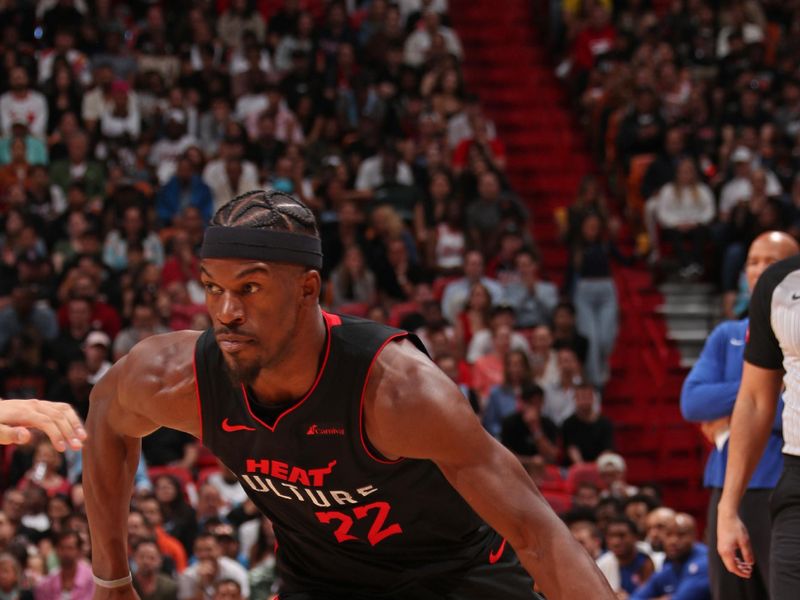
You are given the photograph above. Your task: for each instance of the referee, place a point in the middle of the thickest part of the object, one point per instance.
(708, 396)
(772, 354)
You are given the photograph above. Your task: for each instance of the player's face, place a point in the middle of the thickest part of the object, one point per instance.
(254, 308)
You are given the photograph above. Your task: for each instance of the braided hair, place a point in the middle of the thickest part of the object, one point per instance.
(273, 210)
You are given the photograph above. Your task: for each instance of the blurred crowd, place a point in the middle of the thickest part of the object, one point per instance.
(695, 115)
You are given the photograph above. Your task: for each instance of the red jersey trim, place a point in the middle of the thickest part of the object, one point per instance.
(197, 393)
(330, 321)
(381, 459)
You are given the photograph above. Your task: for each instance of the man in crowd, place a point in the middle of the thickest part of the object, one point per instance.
(625, 565)
(587, 433)
(685, 572)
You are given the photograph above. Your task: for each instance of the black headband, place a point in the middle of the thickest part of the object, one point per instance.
(262, 244)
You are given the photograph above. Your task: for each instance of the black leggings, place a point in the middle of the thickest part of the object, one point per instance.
(785, 554)
(504, 580)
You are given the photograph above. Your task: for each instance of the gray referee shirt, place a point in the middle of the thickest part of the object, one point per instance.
(773, 339)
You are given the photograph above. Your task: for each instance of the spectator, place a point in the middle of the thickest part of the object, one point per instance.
(481, 344)
(149, 582)
(656, 525)
(35, 150)
(95, 350)
(228, 589)
(626, 567)
(642, 129)
(165, 152)
(612, 468)
(168, 545)
(456, 292)
(74, 389)
(179, 517)
(636, 508)
(133, 229)
(589, 536)
(144, 323)
(24, 313)
(475, 315)
(566, 332)
(229, 175)
(685, 572)
(418, 44)
(45, 470)
(185, 188)
(262, 575)
(504, 383)
(449, 366)
(587, 433)
(352, 281)
(527, 432)
(533, 299)
(80, 282)
(197, 582)
(544, 359)
(492, 212)
(74, 575)
(78, 167)
(21, 103)
(12, 580)
(559, 399)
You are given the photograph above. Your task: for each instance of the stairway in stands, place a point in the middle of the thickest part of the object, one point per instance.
(508, 64)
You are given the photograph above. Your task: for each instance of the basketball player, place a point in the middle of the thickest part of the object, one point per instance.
(367, 458)
(56, 419)
(772, 356)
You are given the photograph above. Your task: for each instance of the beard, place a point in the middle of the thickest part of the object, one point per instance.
(241, 373)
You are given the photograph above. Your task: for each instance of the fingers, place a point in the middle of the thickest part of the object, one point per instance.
(61, 425)
(56, 419)
(14, 435)
(742, 567)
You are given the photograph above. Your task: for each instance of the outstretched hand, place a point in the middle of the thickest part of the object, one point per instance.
(56, 419)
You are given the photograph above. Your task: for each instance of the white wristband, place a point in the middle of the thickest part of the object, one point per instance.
(113, 583)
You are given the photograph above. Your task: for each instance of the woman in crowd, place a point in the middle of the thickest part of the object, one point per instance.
(475, 315)
(685, 209)
(352, 282)
(502, 400)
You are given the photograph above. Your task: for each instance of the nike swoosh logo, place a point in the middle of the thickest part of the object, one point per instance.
(795, 296)
(737, 342)
(495, 556)
(228, 427)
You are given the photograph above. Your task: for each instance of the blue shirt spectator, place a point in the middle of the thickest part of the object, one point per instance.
(501, 403)
(184, 189)
(35, 151)
(709, 393)
(685, 579)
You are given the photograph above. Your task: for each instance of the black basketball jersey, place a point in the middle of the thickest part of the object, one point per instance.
(345, 517)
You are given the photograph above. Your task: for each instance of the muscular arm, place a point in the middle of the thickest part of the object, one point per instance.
(413, 410)
(152, 386)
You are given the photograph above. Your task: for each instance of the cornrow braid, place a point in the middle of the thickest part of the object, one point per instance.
(273, 210)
